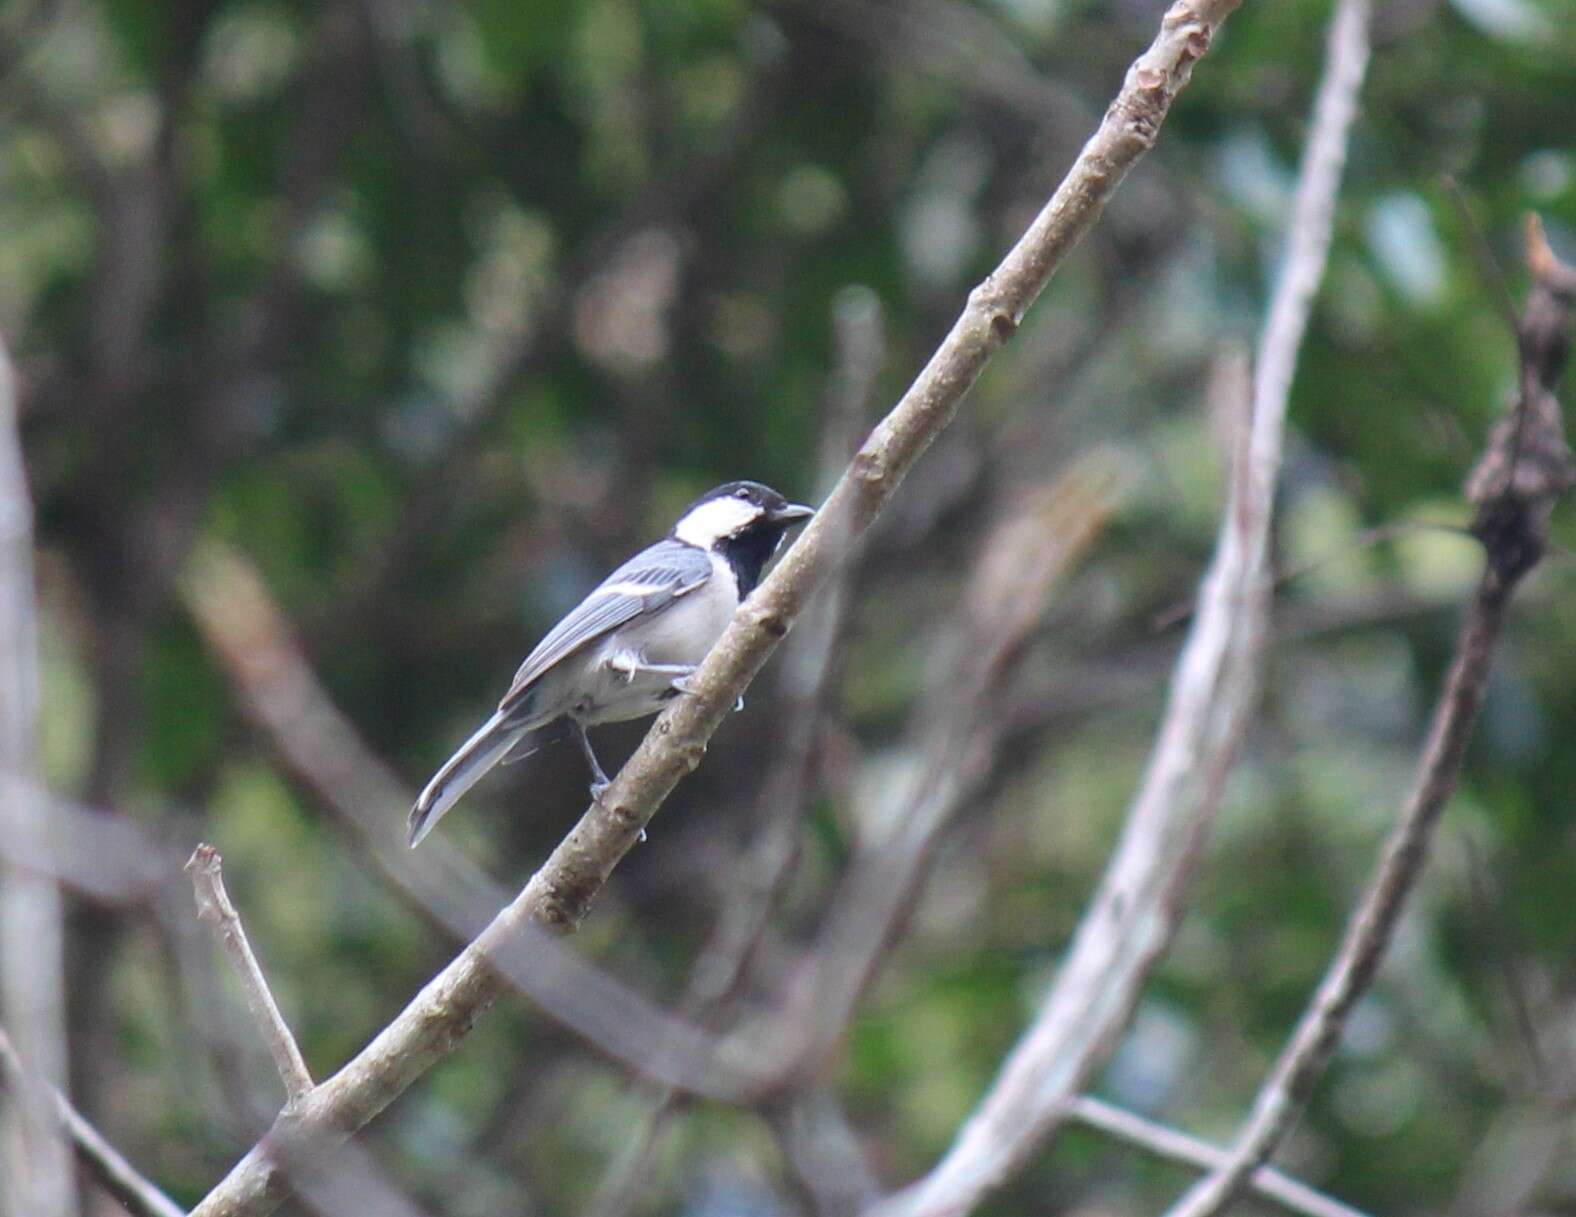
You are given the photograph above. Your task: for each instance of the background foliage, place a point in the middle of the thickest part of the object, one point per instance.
(435, 312)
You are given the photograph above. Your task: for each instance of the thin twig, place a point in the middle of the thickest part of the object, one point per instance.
(562, 891)
(1176, 1146)
(214, 907)
(137, 1194)
(346, 1182)
(1524, 470)
(1134, 913)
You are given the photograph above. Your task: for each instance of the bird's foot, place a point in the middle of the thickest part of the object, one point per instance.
(599, 778)
(630, 664)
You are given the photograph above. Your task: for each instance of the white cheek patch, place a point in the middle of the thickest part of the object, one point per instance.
(715, 519)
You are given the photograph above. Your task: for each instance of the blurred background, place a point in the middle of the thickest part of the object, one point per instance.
(373, 332)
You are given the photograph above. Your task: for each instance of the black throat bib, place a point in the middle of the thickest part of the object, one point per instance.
(748, 553)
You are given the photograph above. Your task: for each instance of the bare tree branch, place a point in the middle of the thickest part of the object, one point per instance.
(1175, 1146)
(561, 892)
(214, 907)
(39, 1179)
(1524, 470)
(768, 1053)
(140, 1197)
(345, 1182)
(1135, 911)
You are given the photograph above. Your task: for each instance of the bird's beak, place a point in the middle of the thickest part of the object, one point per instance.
(792, 513)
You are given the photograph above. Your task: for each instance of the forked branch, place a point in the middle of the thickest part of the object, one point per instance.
(1525, 469)
(561, 893)
(215, 908)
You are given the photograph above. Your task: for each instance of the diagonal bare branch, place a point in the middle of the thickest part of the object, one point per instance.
(214, 907)
(1177, 1146)
(561, 892)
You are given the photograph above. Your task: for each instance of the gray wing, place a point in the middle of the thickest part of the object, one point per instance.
(647, 583)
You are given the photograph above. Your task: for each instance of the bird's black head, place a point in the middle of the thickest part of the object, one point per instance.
(742, 521)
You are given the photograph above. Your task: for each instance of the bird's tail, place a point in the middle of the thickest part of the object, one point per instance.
(462, 771)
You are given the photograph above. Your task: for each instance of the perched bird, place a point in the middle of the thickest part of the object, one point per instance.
(630, 645)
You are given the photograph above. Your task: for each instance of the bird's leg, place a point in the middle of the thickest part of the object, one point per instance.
(630, 665)
(599, 779)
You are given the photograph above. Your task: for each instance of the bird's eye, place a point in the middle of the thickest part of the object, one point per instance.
(741, 493)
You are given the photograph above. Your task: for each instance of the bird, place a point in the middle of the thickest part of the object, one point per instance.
(632, 644)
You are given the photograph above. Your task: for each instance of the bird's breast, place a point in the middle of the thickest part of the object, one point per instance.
(686, 629)
(680, 634)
